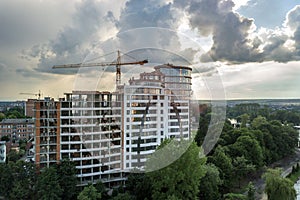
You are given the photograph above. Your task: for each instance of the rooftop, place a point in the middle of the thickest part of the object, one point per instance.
(17, 121)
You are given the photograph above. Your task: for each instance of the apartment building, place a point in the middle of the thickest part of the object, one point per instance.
(91, 135)
(106, 134)
(156, 106)
(47, 132)
(17, 129)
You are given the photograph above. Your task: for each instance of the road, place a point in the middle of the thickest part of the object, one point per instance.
(286, 164)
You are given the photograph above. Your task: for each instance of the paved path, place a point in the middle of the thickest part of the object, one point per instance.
(286, 164)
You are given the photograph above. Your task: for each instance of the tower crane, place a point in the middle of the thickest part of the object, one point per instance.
(118, 65)
(35, 94)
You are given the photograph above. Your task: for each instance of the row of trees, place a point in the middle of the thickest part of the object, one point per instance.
(254, 109)
(19, 180)
(13, 113)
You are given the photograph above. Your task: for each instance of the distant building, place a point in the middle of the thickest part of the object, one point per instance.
(17, 129)
(106, 134)
(7, 105)
(29, 106)
(234, 123)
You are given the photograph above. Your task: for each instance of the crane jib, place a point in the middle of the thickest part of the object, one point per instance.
(78, 65)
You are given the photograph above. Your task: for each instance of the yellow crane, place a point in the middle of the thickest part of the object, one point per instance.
(118, 65)
(39, 94)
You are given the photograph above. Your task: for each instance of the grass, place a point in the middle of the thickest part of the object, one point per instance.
(294, 176)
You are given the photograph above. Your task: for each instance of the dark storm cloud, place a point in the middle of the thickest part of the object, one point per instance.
(233, 35)
(230, 31)
(141, 25)
(275, 49)
(149, 24)
(146, 24)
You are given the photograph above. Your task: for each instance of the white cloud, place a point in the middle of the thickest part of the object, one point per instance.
(59, 32)
(240, 3)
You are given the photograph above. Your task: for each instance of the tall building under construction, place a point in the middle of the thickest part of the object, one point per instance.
(107, 134)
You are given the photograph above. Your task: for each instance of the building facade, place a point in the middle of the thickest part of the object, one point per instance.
(156, 106)
(29, 107)
(47, 132)
(106, 134)
(91, 135)
(17, 129)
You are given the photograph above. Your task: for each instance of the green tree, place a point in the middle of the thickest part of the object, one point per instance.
(89, 193)
(123, 196)
(277, 187)
(173, 197)
(286, 116)
(67, 179)
(249, 148)
(15, 112)
(13, 156)
(100, 187)
(48, 184)
(22, 144)
(24, 179)
(2, 116)
(234, 196)
(281, 133)
(242, 168)
(244, 120)
(19, 192)
(203, 127)
(258, 122)
(209, 184)
(6, 180)
(229, 134)
(179, 178)
(17, 180)
(251, 192)
(224, 163)
(251, 109)
(138, 184)
(5, 138)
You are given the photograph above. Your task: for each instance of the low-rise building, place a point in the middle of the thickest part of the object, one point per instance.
(17, 129)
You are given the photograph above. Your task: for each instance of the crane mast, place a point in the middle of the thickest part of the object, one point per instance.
(118, 65)
(118, 70)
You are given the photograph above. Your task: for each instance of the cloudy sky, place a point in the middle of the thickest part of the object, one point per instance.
(253, 46)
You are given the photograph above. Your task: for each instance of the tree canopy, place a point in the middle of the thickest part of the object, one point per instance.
(89, 193)
(277, 187)
(180, 179)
